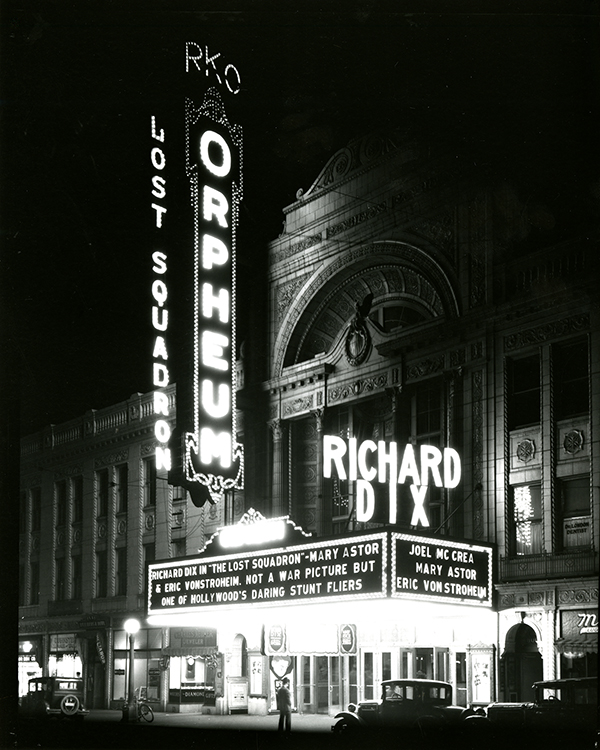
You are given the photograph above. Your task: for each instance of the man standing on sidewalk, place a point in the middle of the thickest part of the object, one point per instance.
(284, 704)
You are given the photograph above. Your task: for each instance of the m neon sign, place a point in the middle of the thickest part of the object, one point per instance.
(212, 456)
(368, 462)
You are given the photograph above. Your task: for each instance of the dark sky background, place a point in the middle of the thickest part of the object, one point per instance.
(515, 91)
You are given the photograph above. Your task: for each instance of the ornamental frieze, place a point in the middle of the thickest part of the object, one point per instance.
(578, 596)
(69, 471)
(298, 405)
(425, 367)
(111, 458)
(546, 332)
(357, 388)
(286, 294)
(439, 231)
(357, 219)
(298, 247)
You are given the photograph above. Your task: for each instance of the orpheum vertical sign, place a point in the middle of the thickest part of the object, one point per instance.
(212, 458)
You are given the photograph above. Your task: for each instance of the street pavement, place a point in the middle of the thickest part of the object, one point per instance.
(232, 722)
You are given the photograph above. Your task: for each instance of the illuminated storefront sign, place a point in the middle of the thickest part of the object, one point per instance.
(441, 570)
(368, 462)
(212, 456)
(352, 568)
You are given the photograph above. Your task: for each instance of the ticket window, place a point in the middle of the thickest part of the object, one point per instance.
(368, 677)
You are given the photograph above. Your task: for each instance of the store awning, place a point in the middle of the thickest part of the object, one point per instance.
(578, 644)
(189, 651)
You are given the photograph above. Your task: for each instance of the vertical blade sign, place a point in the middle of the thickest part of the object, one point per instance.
(212, 456)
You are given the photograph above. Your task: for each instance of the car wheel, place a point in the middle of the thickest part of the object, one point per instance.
(342, 726)
(69, 705)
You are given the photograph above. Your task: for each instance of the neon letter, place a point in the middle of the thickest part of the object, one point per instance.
(365, 472)
(431, 458)
(209, 302)
(409, 466)
(215, 204)
(418, 494)
(215, 446)
(214, 252)
(334, 449)
(365, 501)
(211, 137)
(451, 461)
(220, 409)
(212, 350)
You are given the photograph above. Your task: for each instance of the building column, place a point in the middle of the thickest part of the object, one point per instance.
(278, 488)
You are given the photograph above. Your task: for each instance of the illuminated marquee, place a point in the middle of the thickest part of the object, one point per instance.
(212, 456)
(369, 461)
(441, 570)
(340, 570)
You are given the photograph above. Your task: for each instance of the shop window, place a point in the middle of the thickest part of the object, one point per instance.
(34, 578)
(77, 490)
(571, 391)
(76, 576)
(36, 509)
(61, 582)
(576, 520)
(526, 519)
(523, 407)
(404, 660)
(424, 663)
(122, 475)
(386, 666)
(150, 482)
(22, 512)
(461, 678)
(121, 571)
(368, 676)
(60, 492)
(352, 680)
(102, 492)
(306, 680)
(101, 574)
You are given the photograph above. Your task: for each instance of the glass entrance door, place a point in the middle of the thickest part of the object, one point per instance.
(328, 683)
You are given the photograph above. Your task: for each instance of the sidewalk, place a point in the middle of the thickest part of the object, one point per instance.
(243, 722)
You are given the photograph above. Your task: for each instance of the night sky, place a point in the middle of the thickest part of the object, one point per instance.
(515, 92)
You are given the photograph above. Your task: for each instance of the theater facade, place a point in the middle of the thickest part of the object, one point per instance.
(421, 467)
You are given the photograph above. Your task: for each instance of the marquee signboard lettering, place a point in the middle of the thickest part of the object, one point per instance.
(352, 568)
(441, 570)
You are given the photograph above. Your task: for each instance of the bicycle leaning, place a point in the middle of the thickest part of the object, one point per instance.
(144, 711)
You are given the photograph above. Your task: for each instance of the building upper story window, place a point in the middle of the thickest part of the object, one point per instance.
(523, 405)
(121, 571)
(575, 517)
(76, 579)
(34, 583)
(101, 574)
(102, 492)
(571, 378)
(149, 481)
(61, 579)
(60, 491)
(122, 473)
(526, 529)
(36, 509)
(22, 512)
(77, 490)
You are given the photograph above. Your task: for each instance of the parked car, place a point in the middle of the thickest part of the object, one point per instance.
(424, 705)
(61, 697)
(570, 702)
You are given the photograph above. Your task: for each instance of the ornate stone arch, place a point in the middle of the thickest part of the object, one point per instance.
(390, 271)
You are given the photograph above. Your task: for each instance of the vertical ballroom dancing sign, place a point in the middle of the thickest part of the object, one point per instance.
(212, 458)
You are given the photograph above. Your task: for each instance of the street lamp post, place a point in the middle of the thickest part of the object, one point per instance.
(129, 710)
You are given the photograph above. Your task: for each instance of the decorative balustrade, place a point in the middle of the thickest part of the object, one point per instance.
(563, 565)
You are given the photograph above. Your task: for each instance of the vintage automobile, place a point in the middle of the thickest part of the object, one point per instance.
(419, 704)
(568, 703)
(60, 697)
